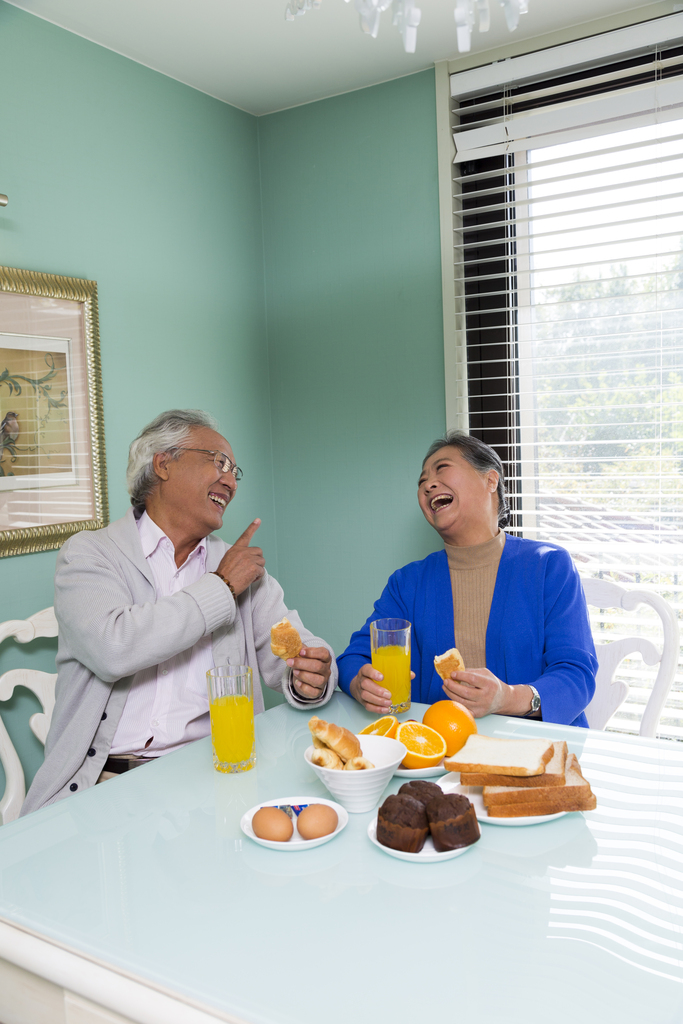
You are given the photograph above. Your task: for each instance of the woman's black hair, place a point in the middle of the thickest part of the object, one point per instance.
(482, 458)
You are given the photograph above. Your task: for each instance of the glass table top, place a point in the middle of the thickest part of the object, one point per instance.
(576, 918)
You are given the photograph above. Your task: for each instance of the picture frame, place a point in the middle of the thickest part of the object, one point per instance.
(52, 454)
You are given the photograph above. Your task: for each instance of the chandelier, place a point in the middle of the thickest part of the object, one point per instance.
(407, 17)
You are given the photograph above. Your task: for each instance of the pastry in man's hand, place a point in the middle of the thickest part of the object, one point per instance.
(336, 737)
(285, 641)
(450, 661)
(326, 758)
(357, 764)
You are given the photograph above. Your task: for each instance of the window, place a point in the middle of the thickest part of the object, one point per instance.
(569, 260)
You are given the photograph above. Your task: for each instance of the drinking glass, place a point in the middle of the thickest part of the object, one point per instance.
(231, 706)
(390, 646)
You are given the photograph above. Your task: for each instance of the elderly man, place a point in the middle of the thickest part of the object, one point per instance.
(147, 605)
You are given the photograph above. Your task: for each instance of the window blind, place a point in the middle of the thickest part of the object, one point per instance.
(569, 255)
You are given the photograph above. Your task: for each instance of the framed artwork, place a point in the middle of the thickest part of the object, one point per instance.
(52, 462)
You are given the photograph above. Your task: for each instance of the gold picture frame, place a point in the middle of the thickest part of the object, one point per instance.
(52, 460)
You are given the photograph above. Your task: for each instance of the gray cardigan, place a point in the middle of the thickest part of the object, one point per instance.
(111, 626)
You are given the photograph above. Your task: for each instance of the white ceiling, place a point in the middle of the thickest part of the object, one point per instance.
(244, 52)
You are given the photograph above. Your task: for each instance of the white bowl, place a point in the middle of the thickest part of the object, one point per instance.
(360, 791)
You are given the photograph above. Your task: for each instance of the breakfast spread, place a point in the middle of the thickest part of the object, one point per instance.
(285, 641)
(329, 738)
(450, 661)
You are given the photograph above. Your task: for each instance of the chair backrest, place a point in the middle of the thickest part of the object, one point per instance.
(43, 685)
(610, 694)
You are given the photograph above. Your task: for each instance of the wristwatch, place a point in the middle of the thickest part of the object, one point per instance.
(535, 701)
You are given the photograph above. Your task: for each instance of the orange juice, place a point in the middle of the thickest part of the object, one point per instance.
(394, 664)
(232, 732)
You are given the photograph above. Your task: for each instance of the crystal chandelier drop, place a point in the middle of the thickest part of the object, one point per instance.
(407, 17)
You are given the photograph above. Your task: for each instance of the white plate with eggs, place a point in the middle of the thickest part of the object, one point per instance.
(295, 841)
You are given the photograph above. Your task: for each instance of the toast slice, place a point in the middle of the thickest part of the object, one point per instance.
(490, 756)
(521, 802)
(554, 774)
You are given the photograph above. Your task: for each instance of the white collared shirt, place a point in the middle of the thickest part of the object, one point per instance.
(167, 705)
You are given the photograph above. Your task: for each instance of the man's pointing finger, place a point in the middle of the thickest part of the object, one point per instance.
(245, 538)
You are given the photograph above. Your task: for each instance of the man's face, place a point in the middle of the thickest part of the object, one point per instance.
(194, 490)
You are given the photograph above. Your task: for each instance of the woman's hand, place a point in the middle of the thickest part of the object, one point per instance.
(366, 689)
(485, 694)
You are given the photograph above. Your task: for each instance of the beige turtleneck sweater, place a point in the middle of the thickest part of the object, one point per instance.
(473, 576)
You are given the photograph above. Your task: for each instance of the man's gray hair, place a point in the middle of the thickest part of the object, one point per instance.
(482, 458)
(167, 431)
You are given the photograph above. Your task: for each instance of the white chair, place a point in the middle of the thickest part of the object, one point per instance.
(610, 695)
(43, 685)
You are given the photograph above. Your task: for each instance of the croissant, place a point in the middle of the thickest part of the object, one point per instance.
(326, 758)
(336, 737)
(357, 764)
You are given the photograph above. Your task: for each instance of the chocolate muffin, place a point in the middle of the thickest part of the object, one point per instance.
(422, 791)
(402, 823)
(452, 822)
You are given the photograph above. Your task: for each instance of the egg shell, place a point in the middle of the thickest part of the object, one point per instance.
(317, 820)
(273, 824)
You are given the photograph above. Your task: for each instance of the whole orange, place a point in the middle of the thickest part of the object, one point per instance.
(451, 720)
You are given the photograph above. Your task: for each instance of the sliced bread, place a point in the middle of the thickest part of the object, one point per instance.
(553, 775)
(491, 756)
(523, 802)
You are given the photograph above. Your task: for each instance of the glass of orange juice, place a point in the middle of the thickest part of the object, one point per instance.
(390, 647)
(231, 706)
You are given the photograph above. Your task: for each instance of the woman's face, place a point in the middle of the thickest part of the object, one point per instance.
(458, 501)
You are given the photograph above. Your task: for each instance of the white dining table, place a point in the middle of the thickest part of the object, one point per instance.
(142, 900)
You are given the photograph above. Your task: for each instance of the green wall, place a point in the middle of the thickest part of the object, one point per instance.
(353, 291)
(119, 174)
(174, 203)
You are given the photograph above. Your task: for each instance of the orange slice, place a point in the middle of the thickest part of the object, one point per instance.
(385, 726)
(451, 720)
(425, 746)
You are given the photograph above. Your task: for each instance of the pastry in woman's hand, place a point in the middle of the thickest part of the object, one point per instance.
(450, 661)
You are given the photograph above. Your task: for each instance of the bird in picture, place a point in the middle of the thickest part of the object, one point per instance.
(9, 428)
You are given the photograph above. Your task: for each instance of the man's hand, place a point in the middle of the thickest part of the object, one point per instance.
(484, 694)
(242, 564)
(367, 689)
(311, 671)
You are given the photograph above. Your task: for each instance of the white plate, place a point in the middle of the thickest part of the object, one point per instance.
(422, 773)
(474, 795)
(427, 855)
(296, 843)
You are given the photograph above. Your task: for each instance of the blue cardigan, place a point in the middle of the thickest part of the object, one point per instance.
(538, 630)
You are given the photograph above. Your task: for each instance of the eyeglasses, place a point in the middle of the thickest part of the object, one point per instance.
(221, 460)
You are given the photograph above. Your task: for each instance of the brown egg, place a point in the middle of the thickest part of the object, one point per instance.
(272, 823)
(316, 820)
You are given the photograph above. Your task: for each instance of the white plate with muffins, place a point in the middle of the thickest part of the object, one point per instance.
(427, 855)
(292, 841)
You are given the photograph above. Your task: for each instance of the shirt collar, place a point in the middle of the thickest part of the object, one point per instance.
(151, 536)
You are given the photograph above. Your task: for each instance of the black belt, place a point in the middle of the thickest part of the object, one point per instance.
(118, 765)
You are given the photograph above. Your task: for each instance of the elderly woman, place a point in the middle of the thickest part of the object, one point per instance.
(514, 608)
